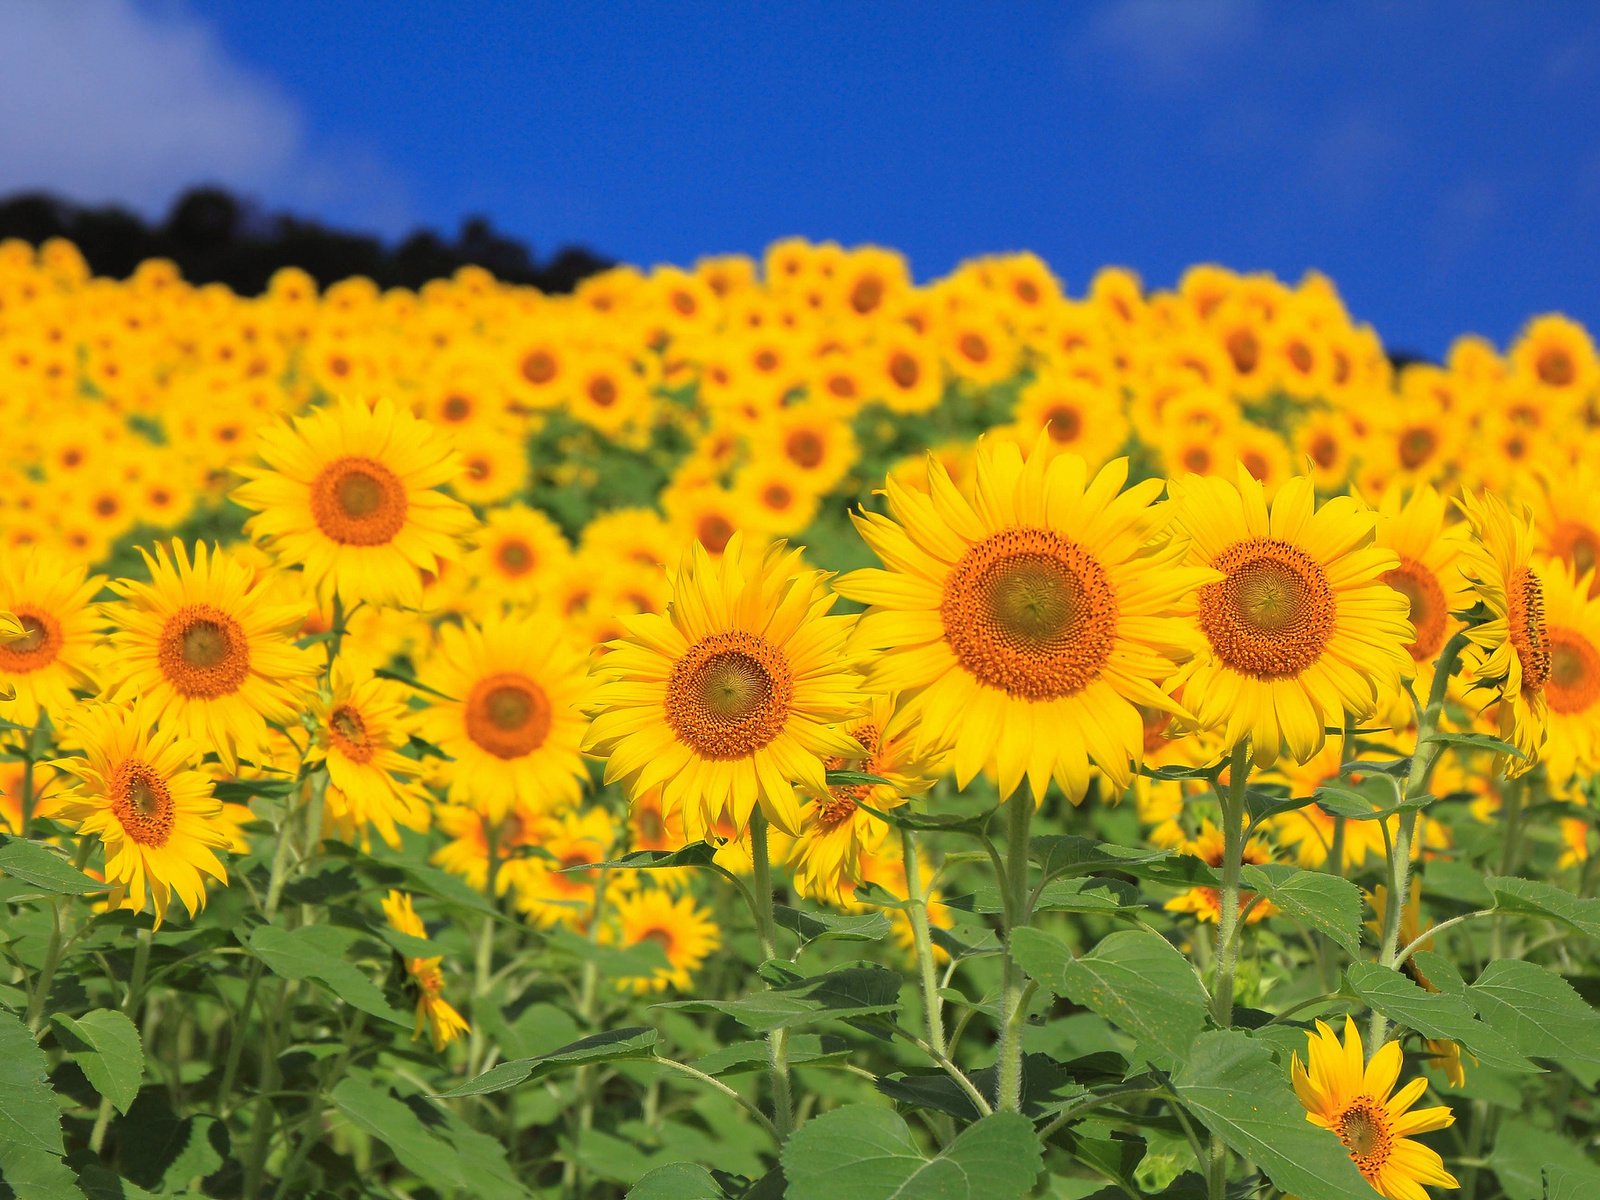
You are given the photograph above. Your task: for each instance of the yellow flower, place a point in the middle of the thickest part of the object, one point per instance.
(359, 728)
(434, 1013)
(1429, 573)
(683, 929)
(139, 791)
(49, 645)
(1356, 1101)
(1206, 902)
(349, 493)
(1572, 693)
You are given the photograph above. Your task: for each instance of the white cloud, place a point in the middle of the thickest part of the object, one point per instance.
(1173, 41)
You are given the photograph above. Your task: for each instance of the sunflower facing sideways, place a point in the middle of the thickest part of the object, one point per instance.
(359, 728)
(208, 648)
(138, 790)
(1301, 628)
(1025, 628)
(51, 647)
(434, 1013)
(350, 493)
(732, 697)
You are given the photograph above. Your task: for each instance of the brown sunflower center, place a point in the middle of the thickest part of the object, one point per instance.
(538, 367)
(1530, 636)
(142, 803)
(1272, 612)
(37, 647)
(514, 557)
(1555, 368)
(1064, 422)
(1580, 546)
(358, 502)
(203, 652)
(1416, 447)
(1429, 608)
(805, 449)
(1030, 612)
(1364, 1128)
(347, 729)
(729, 696)
(714, 531)
(660, 937)
(1574, 683)
(904, 370)
(508, 715)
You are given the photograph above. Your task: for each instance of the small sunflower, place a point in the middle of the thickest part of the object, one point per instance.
(548, 890)
(469, 833)
(684, 930)
(139, 791)
(358, 730)
(1206, 902)
(434, 1013)
(1429, 573)
(1356, 1101)
(209, 649)
(1572, 692)
(513, 722)
(732, 697)
(50, 645)
(350, 493)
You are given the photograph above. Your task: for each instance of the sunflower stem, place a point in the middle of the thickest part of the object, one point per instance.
(483, 960)
(47, 969)
(778, 1039)
(1008, 1084)
(932, 1004)
(130, 1005)
(1232, 800)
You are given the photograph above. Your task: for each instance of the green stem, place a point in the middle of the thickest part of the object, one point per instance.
(305, 1131)
(583, 1079)
(717, 1085)
(483, 960)
(1232, 801)
(778, 1039)
(27, 797)
(130, 1005)
(932, 1003)
(47, 970)
(1008, 1085)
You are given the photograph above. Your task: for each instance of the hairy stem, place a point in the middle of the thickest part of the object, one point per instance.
(1008, 1086)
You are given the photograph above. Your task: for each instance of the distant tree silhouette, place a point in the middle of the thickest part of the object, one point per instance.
(215, 237)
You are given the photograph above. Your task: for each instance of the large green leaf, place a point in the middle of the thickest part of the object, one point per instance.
(1434, 1015)
(1133, 978)
(1544, 900)
(866, 1152)
(105, 1045)
(44, 868)
(1326, 903)
(1523, 1152)
(316, 952)
(817, 926)
(637, 1042)
(1233, 1087)
(374, 1108)
(677, 1181)
(1067, 854)
(159, 1150)
(30, 1120)
(1541, 1014)
(861, 991)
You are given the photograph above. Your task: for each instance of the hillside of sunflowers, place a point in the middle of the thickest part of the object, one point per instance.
(779, 729)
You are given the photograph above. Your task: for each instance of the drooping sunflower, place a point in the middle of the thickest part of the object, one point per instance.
(210, 649)
(732, 697)
(359, 728)
(1356, 1100)
(50, 646)
(1301, 628)
(139, 791)
(434, 1013)
(1572, 692)
(514, 722)
(1509, 653)
(684, 930)
(350, 493)
(1023, 629)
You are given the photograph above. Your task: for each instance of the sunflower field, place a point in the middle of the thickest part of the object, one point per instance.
(776, 729)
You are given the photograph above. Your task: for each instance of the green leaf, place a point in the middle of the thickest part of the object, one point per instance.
(396, 1124)
(1058, 855)
(1476, 741)
(44, 868)
(1522, 1154)
(1233, 1087)
(1433, 1014)
(906, 818)
(1567, 1183)
(751, 1056)
(639, 961)
(864, 1152)
(98, 1183)
(1326, 903)
(1541, 1014)
(1134, 978)
(1047, 1086)
(855, 779)
(411, 681)
(316, 952)
(242, 791)
(695, 854)
(614, 1045)
(814, 926)
(161, 1151)
(677, 1181)
(105, 1045)
(1544, 900)
(848, 992)
(31, 1146)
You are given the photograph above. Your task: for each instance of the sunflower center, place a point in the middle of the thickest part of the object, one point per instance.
(37, 647)
(142, 803)
(804, 449)
(348, 731)
(1363, 1127)
(1064, 423)
(203, 652)
(1579, 545)
(358, 502)
(1272, 612)
(1031, 613)
(1428, 606)
(1574, 682)
(729, 695)
(1555, 368)
(714, 531)
(508, 715)
(1530, 636)
(659, 937)
(538, 367)
(1416, 445)
(515, 558)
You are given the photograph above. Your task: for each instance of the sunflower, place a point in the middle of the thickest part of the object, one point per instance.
(684, 930)
(1078, 415)
(1301, 628)
(434, 1013)
(1350, 1097)
(733, 696)
(1310, 831)
(469, 833)
(49, 646)
(350, 493)
(359, 727)
(1567, 525)
(516, 554)
(209, 649)
(1206, 902)
(1572, 692)
(1510, 651)
(512, 723)
(138, 790)
(1429, 573)
(549, 890)
(1025, 628)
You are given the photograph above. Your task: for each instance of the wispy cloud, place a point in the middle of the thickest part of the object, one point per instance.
(1172, 41)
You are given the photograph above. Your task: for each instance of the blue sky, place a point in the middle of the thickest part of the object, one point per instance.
(1440, 161)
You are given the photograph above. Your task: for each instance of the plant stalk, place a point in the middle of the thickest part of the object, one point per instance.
(1008, 1084)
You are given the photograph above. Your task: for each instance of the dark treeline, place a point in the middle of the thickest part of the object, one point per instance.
(214, 237)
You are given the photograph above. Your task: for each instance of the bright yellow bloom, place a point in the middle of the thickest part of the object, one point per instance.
(683, 929)
(434, 1013)
(49, 647)
(359, 729)
(1572, 692)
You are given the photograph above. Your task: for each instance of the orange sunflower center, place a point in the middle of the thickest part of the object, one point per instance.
(661, 937)
(1574, 683)
(904, 370)
(1031, 613)
(358, 502)
(805, 449)
(515, 557)
(142, 803)
(1364, 1128)
(1429, 609)
(1580, 546)
(347, 730)
(203, 652)
(37, 647)
(729, 696)
(508, 715)
(1272, 613)
(843, 799)
(1555, 367)
(1530, 637)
